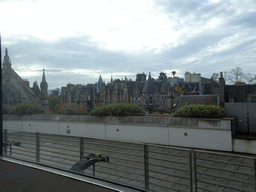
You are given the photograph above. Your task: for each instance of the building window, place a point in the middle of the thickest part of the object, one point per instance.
(150, 101)
(253, 99)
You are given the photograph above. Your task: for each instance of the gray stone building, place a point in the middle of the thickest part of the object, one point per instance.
(16, 90)
(152, 94)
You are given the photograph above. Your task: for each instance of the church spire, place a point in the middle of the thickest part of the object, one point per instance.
(44, 86)
(7, 61)
(44, 90)
(43, 79)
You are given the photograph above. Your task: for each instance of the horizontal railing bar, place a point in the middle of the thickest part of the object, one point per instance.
(118, 176)
(126, 184)
(23, 148)
(169, 174)
(225, 162)
(133, 167)
(21, 133)
(222, 170)
(21, 136)
(125, 159)
(169, 154)
(92, 139)
(76, 149)
(60, 163)
(171, 181)
(164, 146)
(164, 186)
(123, 147)
(60, 153)
(169, 167)
(121, 171)
(59, 142)
(26, 145)
(222, 185)
(112, 151)
(219, 153)
(186, 171)
(169, 161)
(231, 179)
(22, 140)
(205, 189)
(27, 155)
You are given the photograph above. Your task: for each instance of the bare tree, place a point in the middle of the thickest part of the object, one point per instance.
(236, 75)
(250, 78)
(215, 77)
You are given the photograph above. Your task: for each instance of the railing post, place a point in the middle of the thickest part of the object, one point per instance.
(191, 170)
(195, 171)
(146, 167)
(81, 148)
(93, 170)
(5, 141)
(37, 147)
(255, 173)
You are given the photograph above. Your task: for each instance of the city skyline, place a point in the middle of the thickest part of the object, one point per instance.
(76, 42)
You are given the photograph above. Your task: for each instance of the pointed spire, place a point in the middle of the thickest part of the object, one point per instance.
(111, 80)
(44, 86)
(43, 79)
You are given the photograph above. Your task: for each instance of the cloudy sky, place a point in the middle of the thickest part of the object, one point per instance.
(76, 41)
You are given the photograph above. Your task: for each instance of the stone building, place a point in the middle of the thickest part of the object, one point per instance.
(152, 94)
(16, 90)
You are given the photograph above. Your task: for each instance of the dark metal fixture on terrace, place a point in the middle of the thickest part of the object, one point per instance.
(89, 160)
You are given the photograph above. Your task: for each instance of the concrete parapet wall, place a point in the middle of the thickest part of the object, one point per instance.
(184, 132)
(156, 121)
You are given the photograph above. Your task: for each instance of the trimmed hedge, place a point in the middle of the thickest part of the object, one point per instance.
(69, 110)
(118, 109)
(26, 109)
(6, 109)
(200, 111)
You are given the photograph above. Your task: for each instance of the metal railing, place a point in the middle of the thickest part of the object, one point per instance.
(146, 167)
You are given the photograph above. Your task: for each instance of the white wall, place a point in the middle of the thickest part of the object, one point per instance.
(205, 138)
(145, 134)
(13, 125)
(244, 146)
(41, 126)
(201, 138)
(90, 130)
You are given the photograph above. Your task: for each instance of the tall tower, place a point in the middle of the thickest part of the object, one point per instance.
(44, 89)
(7, 61)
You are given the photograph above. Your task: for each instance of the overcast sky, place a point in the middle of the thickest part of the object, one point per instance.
(76, 41)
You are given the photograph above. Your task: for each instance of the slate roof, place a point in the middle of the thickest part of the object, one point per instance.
(36, 89)
(149, 86)
(194, 99)
(239, 93)
(209, 81)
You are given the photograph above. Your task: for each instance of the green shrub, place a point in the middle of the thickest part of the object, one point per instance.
(54, 103)
(118, 109)
(69, 110)
(6, 109)
(200, 111)
(25, 109)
